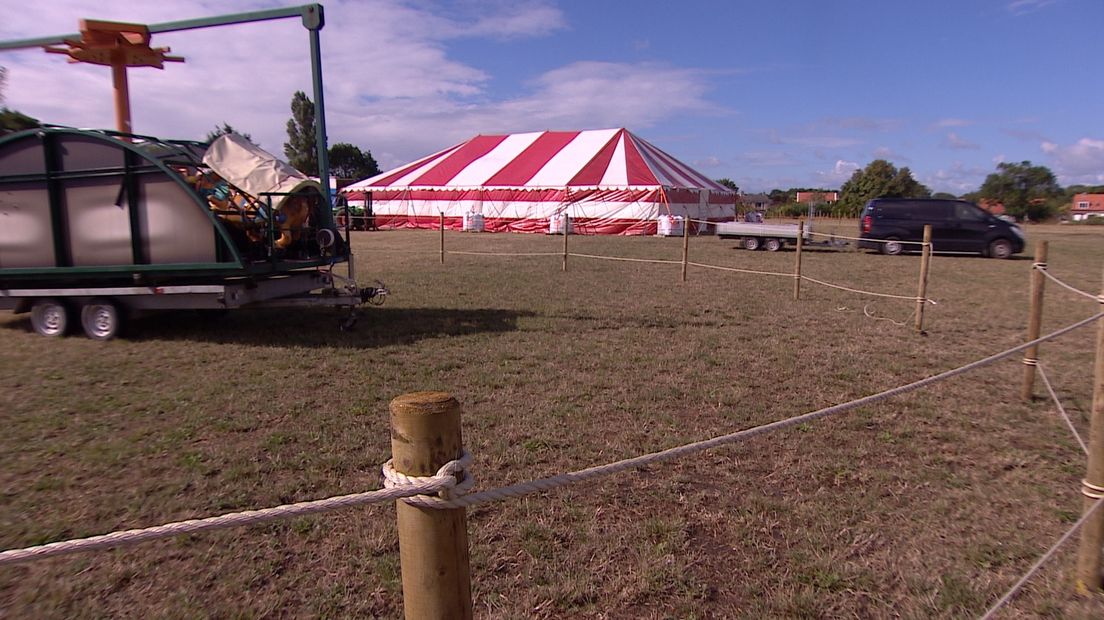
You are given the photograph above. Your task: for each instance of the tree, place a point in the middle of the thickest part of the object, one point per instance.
(730, 184)
(1024, 190)
(349, 162)
(879, 179)
(944, 196)
(300, 148)
(225, 128)
(10, 120)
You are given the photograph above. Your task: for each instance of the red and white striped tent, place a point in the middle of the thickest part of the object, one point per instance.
(609, 181)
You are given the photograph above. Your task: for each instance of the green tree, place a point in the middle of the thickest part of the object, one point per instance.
(1024, 190)
(944, 196)
(879, 179)
(10, 120)
(225, 128)
(729, 183)
(349, 162)
(300, 148)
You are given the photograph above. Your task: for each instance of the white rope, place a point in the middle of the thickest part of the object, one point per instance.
(761, 273)
(834, 236)
(869, 315)
(444, 482)
(552, 482)
(505, 253)
(862, 292)
(622, 258)
(394, 479)
(1061, 409)
(1043, 269)
(1039, 564)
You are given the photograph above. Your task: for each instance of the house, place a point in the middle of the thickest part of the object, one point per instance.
(816, 197)
(992, 206)
(1087, 205)
(754, 202)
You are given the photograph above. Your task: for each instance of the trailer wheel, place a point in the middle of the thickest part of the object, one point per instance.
(772, 245)
(101, 319)
(751, 243)
(50, 317)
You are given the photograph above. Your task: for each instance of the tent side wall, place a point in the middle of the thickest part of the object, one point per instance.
(593, 211)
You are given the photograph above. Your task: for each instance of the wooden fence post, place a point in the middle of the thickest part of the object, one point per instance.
(433, 543)
(1092, 487)
(685, 245)
(922, 288)
(1035, 319)
(797, 259)
(442, 222)
(563, 230)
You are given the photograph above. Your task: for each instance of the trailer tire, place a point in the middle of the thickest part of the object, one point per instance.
(50, 317)
(772, 245)
(101, 319)
(750, 243)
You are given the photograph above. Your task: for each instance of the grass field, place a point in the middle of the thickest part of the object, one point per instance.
(926, 505)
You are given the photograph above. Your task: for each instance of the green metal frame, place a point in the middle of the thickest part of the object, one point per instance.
(314, 19)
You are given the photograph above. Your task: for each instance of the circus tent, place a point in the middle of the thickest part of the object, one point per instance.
(608, 181)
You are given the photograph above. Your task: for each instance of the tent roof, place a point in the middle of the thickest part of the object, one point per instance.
(600, 158)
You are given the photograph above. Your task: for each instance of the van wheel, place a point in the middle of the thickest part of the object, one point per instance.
(100, 319)
(751, 243)
(892, 247)
(50, 317)
(772, 245)
(1000, 248)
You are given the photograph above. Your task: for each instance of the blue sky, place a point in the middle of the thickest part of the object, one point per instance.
(769, 94)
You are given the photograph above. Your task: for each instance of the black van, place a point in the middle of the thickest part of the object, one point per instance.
(957, 226)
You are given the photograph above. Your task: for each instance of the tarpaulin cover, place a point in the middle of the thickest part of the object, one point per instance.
(254, 170)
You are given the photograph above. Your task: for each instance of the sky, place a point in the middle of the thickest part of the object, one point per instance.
(770, 94)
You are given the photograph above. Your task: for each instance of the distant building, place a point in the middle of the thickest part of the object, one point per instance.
(992, 206)
(817, 197)
(757, 202)
(1087, 205)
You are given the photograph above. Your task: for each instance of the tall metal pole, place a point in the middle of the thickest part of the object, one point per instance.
(1034, 320)
(1092, 487)
(314, 21)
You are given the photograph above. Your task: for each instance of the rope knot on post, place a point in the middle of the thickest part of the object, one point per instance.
(1030, 361)
(1091, 491)
(1041, 266)
(446, 478)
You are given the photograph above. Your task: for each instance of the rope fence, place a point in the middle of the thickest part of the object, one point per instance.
(1061, 409)
(415, 490)
(1042, 268)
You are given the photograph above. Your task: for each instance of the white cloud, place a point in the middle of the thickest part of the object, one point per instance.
(839, 173)
(1023, 7)
(958, 179)
(392, 84)
(1080, 162)
(954, 141)
(944, 123)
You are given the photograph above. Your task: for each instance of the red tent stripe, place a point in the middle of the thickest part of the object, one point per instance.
(472, 150)
(405, 170)
(532, 159)
(595, 169)
(637, 170)
(695, 178)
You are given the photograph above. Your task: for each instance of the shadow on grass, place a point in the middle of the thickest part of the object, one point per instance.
(314, 327)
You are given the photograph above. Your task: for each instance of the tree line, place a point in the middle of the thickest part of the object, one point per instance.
(1027, 191)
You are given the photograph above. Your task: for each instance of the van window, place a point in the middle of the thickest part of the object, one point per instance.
(969, 213)
(895, 210)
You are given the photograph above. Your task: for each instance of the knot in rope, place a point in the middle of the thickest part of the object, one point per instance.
(1030, 361)
(1100, 298)
(1091, 490)
(1038, 265)
(446, 476)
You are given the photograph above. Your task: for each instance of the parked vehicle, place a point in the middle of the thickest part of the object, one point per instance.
(957, 226)
(98, 224)
(754, 234)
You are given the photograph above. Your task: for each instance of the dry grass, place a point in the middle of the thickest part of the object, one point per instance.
(929, 505)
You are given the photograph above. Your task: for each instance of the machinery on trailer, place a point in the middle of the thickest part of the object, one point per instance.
(97, 224)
